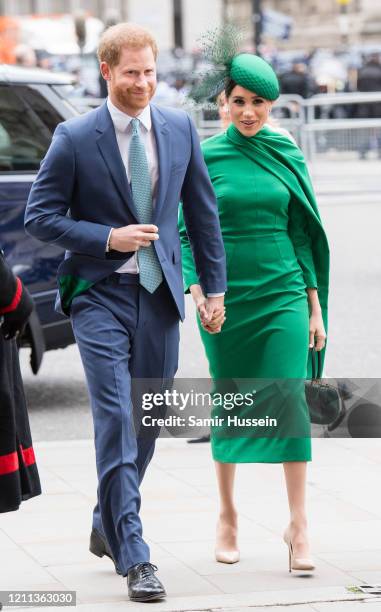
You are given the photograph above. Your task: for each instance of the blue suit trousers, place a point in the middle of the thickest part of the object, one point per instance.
(124, 334)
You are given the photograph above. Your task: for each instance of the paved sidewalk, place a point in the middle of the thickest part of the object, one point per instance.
(45, 544)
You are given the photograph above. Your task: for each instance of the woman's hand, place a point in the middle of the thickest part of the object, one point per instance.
(199, 299)
(317, 330)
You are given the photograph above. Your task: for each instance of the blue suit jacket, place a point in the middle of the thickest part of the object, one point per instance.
(82, 191)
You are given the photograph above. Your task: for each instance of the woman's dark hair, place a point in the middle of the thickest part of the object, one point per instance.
(229, 86)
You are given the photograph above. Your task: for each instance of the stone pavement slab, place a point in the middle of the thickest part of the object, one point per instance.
(297, 608)
(348, 606)
(46, 541)
(251, 601)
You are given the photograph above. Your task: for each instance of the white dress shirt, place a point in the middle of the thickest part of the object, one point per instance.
(123, 133)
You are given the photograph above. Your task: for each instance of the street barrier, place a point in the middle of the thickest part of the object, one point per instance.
(335, 124)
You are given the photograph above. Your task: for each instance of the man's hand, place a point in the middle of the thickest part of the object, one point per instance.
(211, 310)
(213, 306)
(132, 237)
(215, 324)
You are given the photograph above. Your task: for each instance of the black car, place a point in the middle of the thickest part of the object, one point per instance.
(32, 103)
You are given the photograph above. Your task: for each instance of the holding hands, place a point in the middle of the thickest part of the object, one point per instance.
(211, 310)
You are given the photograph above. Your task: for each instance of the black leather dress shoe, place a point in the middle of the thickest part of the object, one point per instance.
(143, 584)
(100, 548)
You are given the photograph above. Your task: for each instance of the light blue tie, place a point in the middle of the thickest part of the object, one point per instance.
(150, 273)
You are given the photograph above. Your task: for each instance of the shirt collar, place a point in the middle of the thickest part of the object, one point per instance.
(121, 120)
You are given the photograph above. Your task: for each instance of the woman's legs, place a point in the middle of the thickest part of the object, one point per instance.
(296, 475)
(227, 524)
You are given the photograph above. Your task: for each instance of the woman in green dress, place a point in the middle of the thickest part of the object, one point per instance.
(277, 266)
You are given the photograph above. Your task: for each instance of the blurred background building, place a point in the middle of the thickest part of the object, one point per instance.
(315, 23)
(328, 40)
(177, 23)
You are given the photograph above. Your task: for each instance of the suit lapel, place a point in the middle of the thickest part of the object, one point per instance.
(162, 137)
(108, 148)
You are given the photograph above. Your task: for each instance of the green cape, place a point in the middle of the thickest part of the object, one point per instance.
(280, 155)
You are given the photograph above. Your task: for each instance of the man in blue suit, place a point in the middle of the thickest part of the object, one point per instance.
(108, 192)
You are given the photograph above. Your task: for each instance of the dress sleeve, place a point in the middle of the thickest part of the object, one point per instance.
(16, 304)
(301, 240)
(190, 276)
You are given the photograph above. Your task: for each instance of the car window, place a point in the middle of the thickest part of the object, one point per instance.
(27, 123)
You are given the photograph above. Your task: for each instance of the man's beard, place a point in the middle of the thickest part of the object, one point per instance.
(130, 101)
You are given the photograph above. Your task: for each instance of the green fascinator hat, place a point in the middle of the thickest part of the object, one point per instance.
(253, 73)
(219, 48)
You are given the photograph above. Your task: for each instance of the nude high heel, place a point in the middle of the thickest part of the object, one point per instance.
(227, 556)
(297, 563)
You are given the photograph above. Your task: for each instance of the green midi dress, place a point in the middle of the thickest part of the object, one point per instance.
(270, 263)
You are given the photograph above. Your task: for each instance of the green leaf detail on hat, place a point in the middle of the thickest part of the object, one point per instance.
(220, 47)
